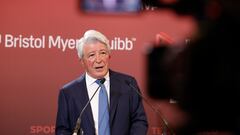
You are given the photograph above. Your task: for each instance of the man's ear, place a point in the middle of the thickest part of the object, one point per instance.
(81, 61)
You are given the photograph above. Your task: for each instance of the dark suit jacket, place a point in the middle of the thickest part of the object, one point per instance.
(127, 116)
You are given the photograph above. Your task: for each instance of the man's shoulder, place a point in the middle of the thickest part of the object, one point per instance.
(120, 75)
(74, 83)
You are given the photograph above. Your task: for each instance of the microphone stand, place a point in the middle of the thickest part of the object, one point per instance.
(166, 126)
(78, 124)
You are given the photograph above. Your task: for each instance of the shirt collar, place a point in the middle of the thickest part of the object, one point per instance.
(90, 80)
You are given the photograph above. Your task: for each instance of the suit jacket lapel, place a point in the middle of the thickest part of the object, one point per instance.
(114, 95)
(87, 117)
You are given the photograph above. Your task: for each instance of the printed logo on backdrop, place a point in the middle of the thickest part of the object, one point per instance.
(50, 129)
(42, 129)
(59, 42)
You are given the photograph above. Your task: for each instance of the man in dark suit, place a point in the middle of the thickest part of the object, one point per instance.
(126, 111)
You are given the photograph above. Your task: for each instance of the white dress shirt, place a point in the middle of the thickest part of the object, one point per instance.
(91, 88)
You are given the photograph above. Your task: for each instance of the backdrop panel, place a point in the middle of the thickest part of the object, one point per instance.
(38, 56)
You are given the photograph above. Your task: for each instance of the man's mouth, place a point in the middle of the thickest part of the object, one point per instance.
(99, 67)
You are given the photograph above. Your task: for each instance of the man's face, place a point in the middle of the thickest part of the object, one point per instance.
(96, 59)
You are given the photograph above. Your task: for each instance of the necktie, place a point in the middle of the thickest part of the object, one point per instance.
(103, 112)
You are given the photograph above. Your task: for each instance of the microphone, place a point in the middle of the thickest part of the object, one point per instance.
(77, 127)
(153, 108)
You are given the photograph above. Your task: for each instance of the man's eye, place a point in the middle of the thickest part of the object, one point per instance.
(90, 55)
(103, 52)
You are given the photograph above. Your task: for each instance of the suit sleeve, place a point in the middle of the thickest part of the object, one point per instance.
(62, 120)
(139, 124)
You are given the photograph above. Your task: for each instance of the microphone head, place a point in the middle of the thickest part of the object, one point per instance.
(102, 80)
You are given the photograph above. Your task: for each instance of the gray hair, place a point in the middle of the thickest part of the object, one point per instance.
(91, 36)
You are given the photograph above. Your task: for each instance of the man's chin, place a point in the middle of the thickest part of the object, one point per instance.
(100, 74)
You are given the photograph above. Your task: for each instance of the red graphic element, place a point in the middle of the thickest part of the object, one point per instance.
(163, 39)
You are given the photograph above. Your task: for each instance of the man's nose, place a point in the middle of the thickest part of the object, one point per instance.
(98, 58)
